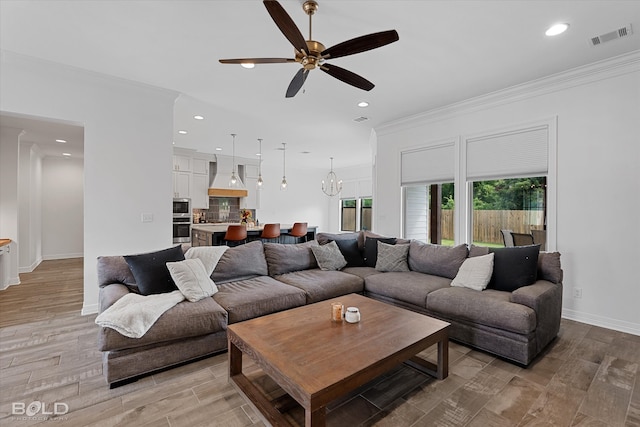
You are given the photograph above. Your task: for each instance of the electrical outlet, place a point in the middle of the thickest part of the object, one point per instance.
(147, 217)
(577, 293)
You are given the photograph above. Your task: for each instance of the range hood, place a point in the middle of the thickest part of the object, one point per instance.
(219, 175)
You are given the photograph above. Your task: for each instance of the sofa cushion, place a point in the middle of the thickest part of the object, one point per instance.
(549, 267)
(246, 299)
(514, 267)
(438, 260)
(184, 320)
(358, 236)
(328, 256)
(241, 262)
(474, 273)
(191, 279)
(362, 272)
(490, 308)
(114, 269)
(320, 285)
(392, 257)
(371, 249)
(351, 252)
(151, 272)
(410, 287)
(285, 258)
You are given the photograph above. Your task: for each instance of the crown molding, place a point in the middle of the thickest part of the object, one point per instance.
(601, 70)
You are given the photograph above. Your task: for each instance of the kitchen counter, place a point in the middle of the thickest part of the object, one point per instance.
(212, 234)
(5, 242)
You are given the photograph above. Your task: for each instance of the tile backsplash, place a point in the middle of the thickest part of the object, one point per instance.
(221, 209)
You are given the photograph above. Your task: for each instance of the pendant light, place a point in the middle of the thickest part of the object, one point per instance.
(333, 185)
(233, 182)
(260, 181)
(283, 184)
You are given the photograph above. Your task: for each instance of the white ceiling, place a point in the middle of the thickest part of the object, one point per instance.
(448, 51)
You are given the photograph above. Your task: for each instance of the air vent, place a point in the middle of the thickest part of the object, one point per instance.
(361, 119)
(607, 37)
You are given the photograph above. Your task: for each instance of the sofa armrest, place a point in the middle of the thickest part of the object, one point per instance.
(545, 298)
(110, 294)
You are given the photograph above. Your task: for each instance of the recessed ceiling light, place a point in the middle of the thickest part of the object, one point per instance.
(62, 141)
(258, 154)
(248, 65)
(66, 154)
(556, 29)
(218, 148)
(198, 117)
(363, 104)
(182, 132)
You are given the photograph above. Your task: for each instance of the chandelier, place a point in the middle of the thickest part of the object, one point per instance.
(332, 185)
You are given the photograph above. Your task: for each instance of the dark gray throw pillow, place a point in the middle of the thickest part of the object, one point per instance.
(371, 249)
(351, 252)
(514, 267)
(151, 272)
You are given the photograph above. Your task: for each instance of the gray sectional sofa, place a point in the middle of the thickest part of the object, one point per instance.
(256, 279)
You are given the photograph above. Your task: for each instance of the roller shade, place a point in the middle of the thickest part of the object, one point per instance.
(433, 164)
(507, 154)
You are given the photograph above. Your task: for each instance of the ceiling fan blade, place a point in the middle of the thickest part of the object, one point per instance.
(361, 44)
(347, 76)
(297, 82)
(256, 60)
(286, 25)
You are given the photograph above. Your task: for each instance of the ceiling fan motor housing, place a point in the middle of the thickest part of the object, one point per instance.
(313, 57)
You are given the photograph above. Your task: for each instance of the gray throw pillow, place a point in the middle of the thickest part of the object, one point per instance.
(286, 258)
(329, 256)
(392, 257)
(443, 261)
(240, 262)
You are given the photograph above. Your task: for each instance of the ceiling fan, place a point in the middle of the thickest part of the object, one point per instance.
(312, 54)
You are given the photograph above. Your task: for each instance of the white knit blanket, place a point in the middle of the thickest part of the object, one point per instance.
(133, 314)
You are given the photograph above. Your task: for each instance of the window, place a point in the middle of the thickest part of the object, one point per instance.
(355, 214)
(428, 213)
(503, 206)
(348, 214)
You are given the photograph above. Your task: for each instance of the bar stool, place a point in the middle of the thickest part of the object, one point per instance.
(299, 230)
(236, 234)
(270, 231)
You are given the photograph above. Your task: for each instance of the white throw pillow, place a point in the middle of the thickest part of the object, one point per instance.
(475, 273)
(209, 255)
(191, 279)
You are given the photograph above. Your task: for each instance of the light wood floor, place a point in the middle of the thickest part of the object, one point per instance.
(589, 376)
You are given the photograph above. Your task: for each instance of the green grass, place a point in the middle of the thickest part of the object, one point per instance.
(491, 245)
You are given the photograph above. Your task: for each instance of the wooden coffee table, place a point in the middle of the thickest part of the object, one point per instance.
(316, 360)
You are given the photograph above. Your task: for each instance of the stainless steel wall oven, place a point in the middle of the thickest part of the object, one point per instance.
(182, 220)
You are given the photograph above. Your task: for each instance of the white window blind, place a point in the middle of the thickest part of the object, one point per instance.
(428, 164)
(349, 190)
(515, 153)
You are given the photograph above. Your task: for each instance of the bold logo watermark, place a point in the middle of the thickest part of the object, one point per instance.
(38, 410)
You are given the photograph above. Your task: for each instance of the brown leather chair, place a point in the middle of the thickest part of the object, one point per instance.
(270, 232)
(235, 234)
(522, 239)
(299, 230)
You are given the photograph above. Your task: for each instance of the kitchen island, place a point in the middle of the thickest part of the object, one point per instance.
(212, 234)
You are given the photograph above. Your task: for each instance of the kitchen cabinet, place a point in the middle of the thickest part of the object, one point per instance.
(200, 166)
(200, 191)
(181, 163)
(200, 238)
(252, 201)
(182, 185)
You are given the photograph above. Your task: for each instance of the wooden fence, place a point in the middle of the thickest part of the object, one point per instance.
(487, 224)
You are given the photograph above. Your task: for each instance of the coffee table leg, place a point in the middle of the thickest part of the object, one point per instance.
(235, 360)
(316, 418)
(443, 358)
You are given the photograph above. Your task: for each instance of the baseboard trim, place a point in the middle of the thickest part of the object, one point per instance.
(62, 256)
(89, 309)
(604, 322)
(30, 268)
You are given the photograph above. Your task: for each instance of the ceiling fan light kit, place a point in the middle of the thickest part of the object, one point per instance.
(312, 54)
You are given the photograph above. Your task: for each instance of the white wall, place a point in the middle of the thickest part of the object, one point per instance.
(9, 155)
(62, 204)
(29, 207)
(598, 179)
(127, 152)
